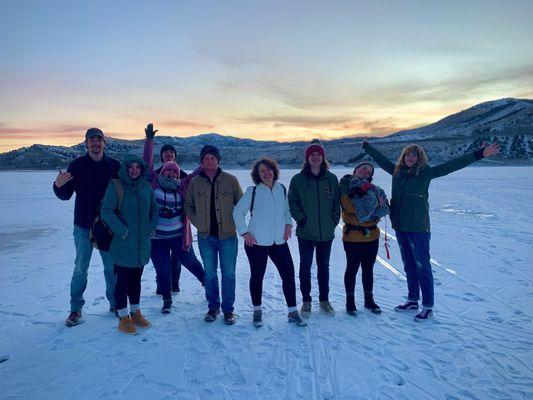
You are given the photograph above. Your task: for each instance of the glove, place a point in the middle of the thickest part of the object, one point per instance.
(366, 186)
(149, 131)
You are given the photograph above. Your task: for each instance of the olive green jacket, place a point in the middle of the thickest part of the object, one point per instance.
(133, 224)
(315, 206)
(409, 206)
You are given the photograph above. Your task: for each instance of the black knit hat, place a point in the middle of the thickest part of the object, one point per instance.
(209, 149)
(365, 163)
(166, 147)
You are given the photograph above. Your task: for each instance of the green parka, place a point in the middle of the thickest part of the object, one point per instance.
(134, 222)
(409, 206)
(314, 204)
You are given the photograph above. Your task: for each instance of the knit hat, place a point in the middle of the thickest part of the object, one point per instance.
(94, 132)
(172, 166)
(365, 163)
(209, 149)
(166, 147)
(314, 146)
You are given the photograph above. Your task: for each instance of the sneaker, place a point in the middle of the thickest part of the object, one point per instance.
(138, 319)
(167, 305)
(424, 315)
(229, 318)
(327, 308)
(211, 315)
(73, 318)
(294, 318)
(125, 324)
(372, 306)
(407, 306)
(258, 318)
(306, 309)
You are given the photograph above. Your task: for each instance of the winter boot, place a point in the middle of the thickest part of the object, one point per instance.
(424, 315)
(125, 325)
(138, 319)
(370, 304)
(229, 318)
(409, 305)
(167, 305)
(258, 318)
(73, 319)
(351, 309)
(211, 315)
(306, 309)
(326, 307)
(294, 318)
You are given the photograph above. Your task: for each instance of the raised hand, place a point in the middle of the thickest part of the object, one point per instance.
(149, 131)
(288, 232)
(249, 240)
(62, 178)
(491, 149)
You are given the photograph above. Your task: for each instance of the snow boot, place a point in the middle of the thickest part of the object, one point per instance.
(294, 318)
(229, 318)
(167, 306)
(424, 315)
(73, 319)
(351, 309)
(211, 315)
(370, 304)
(125, 324)
(409, 305)
(258, 318)
(326, 307)
(306, 309)
(138, 319)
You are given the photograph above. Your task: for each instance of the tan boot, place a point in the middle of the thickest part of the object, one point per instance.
(126, 325)
(139, 320)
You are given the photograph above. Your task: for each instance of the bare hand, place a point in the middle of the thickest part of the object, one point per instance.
(249, 240)
(491, 149)
(149, 131)
(288, 232)
(62, 178)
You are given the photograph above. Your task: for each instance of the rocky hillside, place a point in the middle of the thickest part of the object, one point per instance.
(509, 121)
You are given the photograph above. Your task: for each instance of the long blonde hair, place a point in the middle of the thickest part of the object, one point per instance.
(420, 162)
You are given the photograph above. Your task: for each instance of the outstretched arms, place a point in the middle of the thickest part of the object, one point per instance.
(378, 157)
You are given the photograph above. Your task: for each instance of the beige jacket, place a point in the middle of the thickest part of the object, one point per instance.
(198, 203)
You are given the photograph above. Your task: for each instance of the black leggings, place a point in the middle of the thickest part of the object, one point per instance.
(364, 254)
(128, 286)
(281, 257)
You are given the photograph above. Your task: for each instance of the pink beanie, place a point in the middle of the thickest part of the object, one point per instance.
(171, 165)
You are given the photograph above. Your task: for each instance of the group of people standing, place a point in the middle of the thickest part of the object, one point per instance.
(150, 213)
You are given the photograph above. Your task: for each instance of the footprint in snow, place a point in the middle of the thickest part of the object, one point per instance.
(493, 316)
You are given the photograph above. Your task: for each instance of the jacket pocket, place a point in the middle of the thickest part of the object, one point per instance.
(414, 208)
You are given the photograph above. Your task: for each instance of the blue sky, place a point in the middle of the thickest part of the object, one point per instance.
(266, 70)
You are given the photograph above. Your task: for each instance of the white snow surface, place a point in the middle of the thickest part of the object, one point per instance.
(478, 346)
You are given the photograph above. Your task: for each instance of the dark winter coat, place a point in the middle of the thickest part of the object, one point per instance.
(314, 204)
(90, 180)
(409, 199)
(136, 219)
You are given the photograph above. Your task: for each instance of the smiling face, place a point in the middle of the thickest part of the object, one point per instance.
(364, 171)
(170, 173)
(315, 159)
(266, 174)
(168, 155)
(210, 163)
(134, 170)
(95, 145)
(411, 158)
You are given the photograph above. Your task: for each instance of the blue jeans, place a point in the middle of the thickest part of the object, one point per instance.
(414, 247)
(212, 249)
(163, 250)
(84, 251)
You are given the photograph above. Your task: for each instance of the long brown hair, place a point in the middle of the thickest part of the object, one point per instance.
(420, 162)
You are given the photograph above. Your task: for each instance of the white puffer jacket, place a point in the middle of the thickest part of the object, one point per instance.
(269, 215)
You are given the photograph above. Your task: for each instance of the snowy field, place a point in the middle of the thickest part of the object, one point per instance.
(478, 346)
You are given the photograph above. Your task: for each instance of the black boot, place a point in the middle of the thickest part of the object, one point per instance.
(351, 309)
(167, 306)
(370, 304)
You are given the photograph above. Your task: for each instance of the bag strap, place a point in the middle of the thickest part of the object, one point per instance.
(120, 192)
(252, 204)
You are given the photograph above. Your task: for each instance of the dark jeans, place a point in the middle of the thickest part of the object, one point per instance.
(281, 257)
(363, 254)
(414, 247)
(128, 286)
(175, 272)
(162, 251)
(323, 250)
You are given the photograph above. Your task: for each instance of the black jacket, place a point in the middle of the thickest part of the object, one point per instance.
(90, 183)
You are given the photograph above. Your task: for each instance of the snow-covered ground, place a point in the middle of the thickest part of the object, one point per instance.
(478, 346)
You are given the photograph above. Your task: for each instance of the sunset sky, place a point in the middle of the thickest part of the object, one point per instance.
(280, 70)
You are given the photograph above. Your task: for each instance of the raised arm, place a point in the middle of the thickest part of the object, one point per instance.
(148, 151)
(379, 157)
(64, 184)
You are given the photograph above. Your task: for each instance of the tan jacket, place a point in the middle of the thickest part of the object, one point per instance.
(198, 202)
(349, 217)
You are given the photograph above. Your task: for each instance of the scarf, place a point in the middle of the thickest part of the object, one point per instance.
(168, 184)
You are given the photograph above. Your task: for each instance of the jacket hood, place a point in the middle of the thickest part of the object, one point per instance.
(123, 173)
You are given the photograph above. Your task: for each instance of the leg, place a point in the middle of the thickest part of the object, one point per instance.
(188, 260)
(110, 279)
(175, 270)
(78, 283)
(161, 260)
(281, 257)
(257, 257)
(423, 266)
(134, 290)
(228, 261)
(353, 260)
(121, 289)
(209, 251)
(305, 248)
(409, 265)
(323, 251)
(369, 251)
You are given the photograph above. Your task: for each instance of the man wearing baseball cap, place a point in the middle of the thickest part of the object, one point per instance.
(88, 177)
